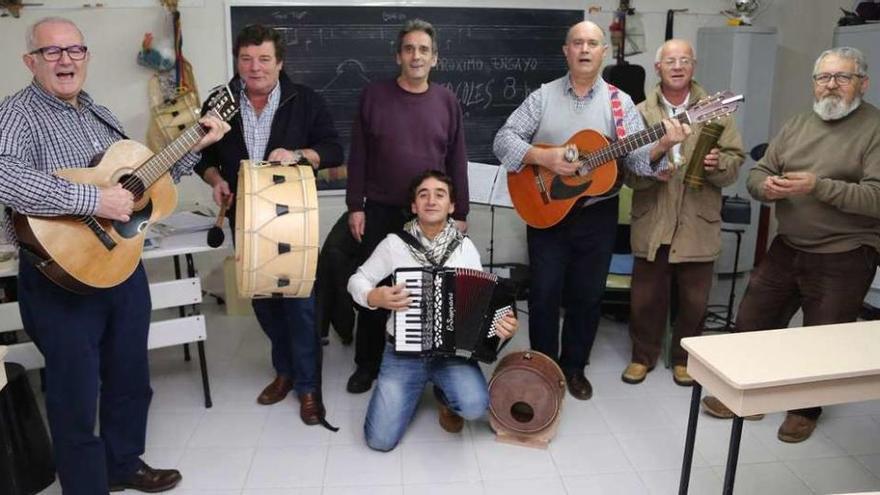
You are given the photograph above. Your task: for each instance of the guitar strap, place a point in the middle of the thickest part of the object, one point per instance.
(617, 111)
(108, 123)
(620, 130)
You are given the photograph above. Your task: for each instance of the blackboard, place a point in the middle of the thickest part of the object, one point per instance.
(490, 58)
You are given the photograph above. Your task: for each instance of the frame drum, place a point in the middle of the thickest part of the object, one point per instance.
(276, 230)
(525, 398)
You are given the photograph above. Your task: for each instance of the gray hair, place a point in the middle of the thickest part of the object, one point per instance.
(659, 53)
(848, 53)
(417, 25)
(30, 34)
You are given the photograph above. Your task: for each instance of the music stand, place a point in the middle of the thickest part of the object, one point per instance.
(487, 185)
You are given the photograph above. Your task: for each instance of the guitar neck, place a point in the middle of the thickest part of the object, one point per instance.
(150, 171)
(626, 145)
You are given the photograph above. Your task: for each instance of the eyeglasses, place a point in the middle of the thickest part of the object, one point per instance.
(53, 53)
(841, 78)
(591, 44)
(683, 61)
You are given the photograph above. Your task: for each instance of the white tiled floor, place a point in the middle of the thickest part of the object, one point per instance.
(626, 440)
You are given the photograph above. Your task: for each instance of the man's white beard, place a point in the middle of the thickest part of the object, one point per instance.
(832, 107)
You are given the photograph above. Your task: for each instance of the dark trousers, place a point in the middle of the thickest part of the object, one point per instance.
(651, 286)
(568, 266)
(381, 220)
(95, 348)
(829, 288)
(290, 325)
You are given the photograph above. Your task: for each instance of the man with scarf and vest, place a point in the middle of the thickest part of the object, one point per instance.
(432, 239)
(284, 121)
(676, 228)
(568, 263)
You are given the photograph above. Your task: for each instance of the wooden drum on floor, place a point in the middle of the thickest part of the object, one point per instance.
(525, 399)
(276, 230)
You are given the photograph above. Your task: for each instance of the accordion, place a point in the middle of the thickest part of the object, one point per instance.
(452, 312)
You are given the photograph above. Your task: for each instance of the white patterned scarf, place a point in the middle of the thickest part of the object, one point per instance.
(437, 250)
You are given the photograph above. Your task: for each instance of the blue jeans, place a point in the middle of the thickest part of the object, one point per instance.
(290, 325)
(568, 265)
(402, 379)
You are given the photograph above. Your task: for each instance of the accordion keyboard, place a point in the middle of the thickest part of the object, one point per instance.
(408, 323)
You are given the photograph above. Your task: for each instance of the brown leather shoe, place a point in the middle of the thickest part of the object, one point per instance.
(449, 421)
(275, 391)
(635, 373)
(147, 479)
(311, 409)
(796, 428)
(681, 377)
(578, 385)
(715, 408)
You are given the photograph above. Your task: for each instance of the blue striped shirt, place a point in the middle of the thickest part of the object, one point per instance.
(257, 127)
(41, 134)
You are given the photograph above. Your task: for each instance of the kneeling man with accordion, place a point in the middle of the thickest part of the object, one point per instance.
(446, 314)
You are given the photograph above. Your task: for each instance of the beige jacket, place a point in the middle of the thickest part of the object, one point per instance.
(669, 213)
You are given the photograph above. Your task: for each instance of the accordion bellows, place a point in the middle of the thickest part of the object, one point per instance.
(452, 312)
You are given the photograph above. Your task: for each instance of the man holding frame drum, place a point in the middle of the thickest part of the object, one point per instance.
(279, 121)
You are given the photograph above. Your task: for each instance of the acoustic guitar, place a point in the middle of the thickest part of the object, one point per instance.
(543, 198)
(84, 253)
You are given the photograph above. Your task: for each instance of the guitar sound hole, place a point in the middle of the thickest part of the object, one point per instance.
(133, 184)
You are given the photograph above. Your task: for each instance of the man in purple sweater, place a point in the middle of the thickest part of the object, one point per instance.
(404, 127)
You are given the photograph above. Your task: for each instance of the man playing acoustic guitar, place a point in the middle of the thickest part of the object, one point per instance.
(95, 345)
(569, 261)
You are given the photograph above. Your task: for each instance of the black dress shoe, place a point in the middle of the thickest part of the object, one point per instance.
(578, 385)
(360, 381)
(147, 479)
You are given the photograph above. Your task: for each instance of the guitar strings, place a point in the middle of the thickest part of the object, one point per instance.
(598, 158)
(155, 166)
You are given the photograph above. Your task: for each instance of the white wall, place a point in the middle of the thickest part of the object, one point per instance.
(114, 35)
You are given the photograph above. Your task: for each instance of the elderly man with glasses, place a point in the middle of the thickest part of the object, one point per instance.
(95, 344)
(676, 228)
(822, 171)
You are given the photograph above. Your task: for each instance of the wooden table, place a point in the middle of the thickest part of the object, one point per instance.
(779, 370)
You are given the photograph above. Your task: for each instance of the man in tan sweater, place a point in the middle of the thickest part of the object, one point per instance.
(676, 229)
(822, 171)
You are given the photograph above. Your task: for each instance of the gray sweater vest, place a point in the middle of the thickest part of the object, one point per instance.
(561, 118)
